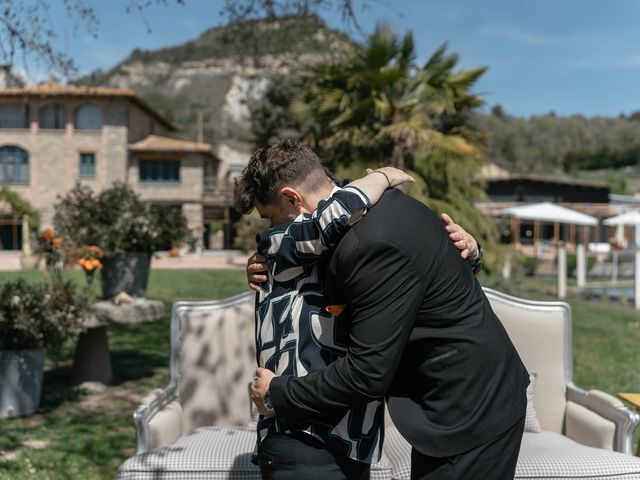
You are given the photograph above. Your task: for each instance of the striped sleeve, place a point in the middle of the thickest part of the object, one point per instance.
(303, 241)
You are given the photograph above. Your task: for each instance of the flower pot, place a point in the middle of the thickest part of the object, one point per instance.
(21, 373)
(127, 273)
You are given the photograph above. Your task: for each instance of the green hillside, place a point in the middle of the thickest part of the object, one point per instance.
(200, 76)
(252, 41)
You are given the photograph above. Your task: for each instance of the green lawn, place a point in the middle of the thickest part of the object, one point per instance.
(606, 336)
(86, 435)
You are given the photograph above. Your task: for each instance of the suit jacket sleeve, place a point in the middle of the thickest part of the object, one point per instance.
(384, 293)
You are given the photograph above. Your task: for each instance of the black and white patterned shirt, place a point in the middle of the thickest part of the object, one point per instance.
(295, 334)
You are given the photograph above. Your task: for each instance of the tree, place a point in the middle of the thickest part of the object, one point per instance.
(240, 11)
(378, 107)
(26, 30)
(378, 104)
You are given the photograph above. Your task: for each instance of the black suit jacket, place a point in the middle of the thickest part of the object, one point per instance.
(422, 334)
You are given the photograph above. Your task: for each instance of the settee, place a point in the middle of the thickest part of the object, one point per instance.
(201, 425)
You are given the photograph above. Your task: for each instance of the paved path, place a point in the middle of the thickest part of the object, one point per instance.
(214, 259)
(208, 259)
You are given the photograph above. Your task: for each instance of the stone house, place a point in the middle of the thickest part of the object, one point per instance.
(52, 136)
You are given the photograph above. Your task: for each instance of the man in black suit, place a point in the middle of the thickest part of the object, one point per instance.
(422, 335)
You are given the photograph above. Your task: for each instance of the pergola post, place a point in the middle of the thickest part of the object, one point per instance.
(562, 270)
(572, 234)
(585, 234)
(636, 268)
(581, 265)
(515, 232)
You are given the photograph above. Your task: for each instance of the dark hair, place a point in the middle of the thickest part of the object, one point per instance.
(287, 163)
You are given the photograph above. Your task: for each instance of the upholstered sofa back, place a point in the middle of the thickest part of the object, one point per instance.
(215, 358)
(541, 334)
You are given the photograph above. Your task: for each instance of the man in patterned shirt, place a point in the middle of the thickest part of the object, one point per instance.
(294, 332)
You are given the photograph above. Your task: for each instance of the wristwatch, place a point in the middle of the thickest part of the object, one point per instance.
(476, 262)
(267, 401)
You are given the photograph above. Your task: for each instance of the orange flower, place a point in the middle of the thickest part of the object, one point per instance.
(88, 266)
(48, 234)
(97, 264)
(56, 242)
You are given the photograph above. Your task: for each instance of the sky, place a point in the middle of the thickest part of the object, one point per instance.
(565, 56)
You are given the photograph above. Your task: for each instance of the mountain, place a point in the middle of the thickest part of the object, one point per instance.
(217, 74)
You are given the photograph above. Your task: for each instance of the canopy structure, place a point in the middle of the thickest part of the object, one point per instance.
(549, 212)
(631, 217)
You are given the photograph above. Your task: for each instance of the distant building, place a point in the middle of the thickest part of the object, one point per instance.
(52, 136)
(591, 198)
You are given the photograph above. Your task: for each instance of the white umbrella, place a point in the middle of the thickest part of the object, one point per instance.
(630, 217)
(549, 212)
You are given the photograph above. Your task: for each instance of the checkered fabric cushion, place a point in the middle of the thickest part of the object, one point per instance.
(549, 455)
(543, 456)
(209, 453)
(398, 452)
(531, 423)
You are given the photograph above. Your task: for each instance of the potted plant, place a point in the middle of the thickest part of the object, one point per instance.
(125, 228)
(33, 318)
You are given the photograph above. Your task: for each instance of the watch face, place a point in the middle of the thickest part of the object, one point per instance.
(267, 400)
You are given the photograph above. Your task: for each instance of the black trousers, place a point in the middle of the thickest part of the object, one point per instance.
(299, 456)
(495, 460)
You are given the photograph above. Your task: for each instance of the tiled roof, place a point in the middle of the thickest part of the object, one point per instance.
(64, 90)
(53, 89)
(156, 143)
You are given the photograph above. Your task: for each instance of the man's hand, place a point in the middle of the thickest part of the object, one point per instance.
(258, 388)
(394, 175)
(462, 240)
(256, 271)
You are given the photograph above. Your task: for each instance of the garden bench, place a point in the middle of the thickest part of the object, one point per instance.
(200, 425)
(92, 359)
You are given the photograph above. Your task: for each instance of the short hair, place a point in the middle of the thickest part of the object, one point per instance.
(286, 163)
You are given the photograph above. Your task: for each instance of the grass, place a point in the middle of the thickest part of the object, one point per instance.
(605, 336)
(79, 434)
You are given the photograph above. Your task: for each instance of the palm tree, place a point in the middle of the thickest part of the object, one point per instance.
(378, 101)
(376, 106)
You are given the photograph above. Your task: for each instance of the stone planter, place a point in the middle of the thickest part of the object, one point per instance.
(21, 372)
(127, 273)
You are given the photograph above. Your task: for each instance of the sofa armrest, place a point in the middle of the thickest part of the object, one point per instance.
(599, 411)
(158, 419)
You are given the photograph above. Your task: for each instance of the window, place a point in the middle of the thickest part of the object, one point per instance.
(88, 117)
(160, 171)
(14, 165)
(14, 116)
(53, 116)
(87, 164)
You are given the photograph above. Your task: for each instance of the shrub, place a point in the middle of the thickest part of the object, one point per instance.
(246, 230)
(39, 315)
(117, 221)
(530, 265)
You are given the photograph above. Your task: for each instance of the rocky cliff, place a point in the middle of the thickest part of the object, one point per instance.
(218, 74)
